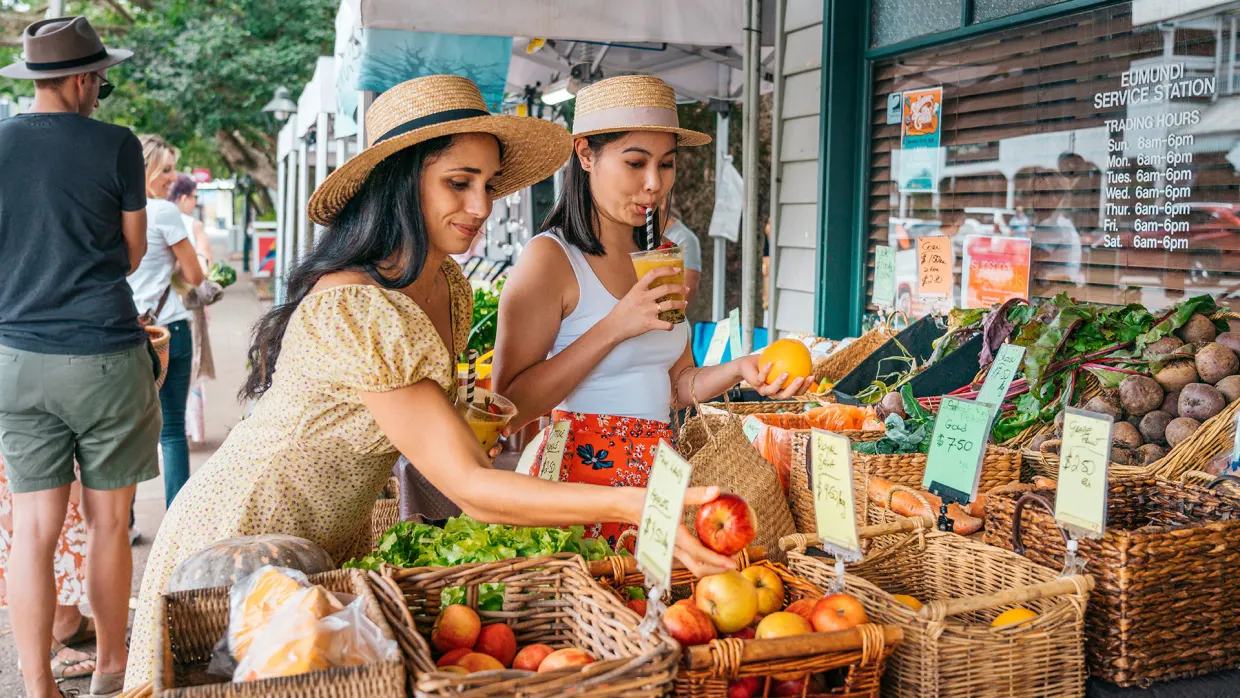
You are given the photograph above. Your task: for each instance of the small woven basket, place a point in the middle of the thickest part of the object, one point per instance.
(1161, 609)
(1000, 466)
(161, 340)
(950, 649)
(192, 622)
(840, 363)
(551, 600)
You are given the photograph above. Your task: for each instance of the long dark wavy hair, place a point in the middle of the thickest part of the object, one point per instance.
(576, 214)
(383, 221)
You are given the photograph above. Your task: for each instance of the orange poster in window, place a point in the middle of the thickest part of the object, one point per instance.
(934, 266)
(996, 269)
(922, 111)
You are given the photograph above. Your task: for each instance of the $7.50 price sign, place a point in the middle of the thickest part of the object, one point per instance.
(1084, 459)
(832, 483)
(665, 504)
(956, 449)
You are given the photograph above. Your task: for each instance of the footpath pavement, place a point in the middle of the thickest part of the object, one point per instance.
(230, 322)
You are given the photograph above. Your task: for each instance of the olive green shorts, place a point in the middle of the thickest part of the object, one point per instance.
(102, 411)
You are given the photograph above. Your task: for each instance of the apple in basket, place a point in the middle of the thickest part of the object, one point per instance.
(729, 599)
(456, 627)
(835, 612)
(562, 659)
(688, 624)
(531, 656)
(803, 608)
(497, 640)
(770, 588)
(745, 687)
(797, 687)
(477, 661)
(451, 657)
(727, 524)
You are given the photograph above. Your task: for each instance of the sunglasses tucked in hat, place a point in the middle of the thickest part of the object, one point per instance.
(631, 103)
(57, 48)
(443, 105)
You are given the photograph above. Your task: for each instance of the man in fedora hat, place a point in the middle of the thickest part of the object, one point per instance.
(76, 377)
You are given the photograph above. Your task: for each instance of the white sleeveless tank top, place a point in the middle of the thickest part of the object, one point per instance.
(632, 380)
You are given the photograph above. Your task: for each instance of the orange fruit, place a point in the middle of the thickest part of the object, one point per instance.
(908, 601)
(787, 356)
(1015, 616)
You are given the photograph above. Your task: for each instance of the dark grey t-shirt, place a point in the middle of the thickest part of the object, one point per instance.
(64, 180)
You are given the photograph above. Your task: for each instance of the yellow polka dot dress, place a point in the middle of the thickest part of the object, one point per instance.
(310, 460)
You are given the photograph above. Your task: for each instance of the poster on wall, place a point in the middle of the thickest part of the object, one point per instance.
(996, 269)
(264, 262)
(920, 134)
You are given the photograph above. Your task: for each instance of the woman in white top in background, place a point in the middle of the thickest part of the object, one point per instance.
(579, 333)
(184, 193)
(168, 249)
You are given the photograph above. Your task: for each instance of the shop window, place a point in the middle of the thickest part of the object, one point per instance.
(893, 21)
(1113, 148)
(986, 10)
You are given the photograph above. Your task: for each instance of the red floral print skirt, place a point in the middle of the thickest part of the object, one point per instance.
(611, 451)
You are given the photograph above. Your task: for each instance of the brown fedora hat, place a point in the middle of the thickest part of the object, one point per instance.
(56, 48)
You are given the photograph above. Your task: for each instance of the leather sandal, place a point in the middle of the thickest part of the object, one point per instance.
(85, 633)
(106, 685)
(68, 668)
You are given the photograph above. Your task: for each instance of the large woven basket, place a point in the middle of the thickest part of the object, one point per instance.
(192, 622)
(1000, 466)
(839, 363)
(161, 340)
(1161, 609)
(745, 409)
(950, 649)
(386, 513)
(550, 600)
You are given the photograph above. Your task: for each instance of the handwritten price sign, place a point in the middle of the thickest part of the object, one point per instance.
(553, 454)
(665, 504)
(1003, 369)
(1084, 458)
(834, 510)
(884, 276)
(934, 266)
(954, 464)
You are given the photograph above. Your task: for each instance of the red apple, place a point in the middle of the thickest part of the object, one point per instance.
(783, 624)
(638, 606)
(745, 633)
(803, 608)
(454, 669)
(729, 599)
(797, 687)
(499, 641)
(457, 626)
(745, 687)
(477, 661)
(452, 657)
(770, 588)
(689, 625)
(530, 657)
(838, 612)
(726, 525)
(564, 658)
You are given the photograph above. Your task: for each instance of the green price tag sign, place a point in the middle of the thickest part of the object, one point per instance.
(553, 453)
(834, 510)
(954, 464)
(665, 504)
(734, 332)
(718, 343)
(1003, 369)
(1084, 458)
(884, 276)
(752, 426)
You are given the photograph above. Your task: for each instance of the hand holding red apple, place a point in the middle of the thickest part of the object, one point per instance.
(726, 524)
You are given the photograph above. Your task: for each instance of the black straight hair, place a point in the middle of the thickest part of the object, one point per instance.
(576, 215)
(383, 221)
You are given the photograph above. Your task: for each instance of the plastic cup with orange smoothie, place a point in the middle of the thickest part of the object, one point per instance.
(487, 415)
(646, 261)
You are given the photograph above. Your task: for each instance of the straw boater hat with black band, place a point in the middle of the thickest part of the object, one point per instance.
(443, 105)
(57, 48)
(630, 103)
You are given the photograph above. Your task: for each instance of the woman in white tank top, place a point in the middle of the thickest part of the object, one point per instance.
(579, 334)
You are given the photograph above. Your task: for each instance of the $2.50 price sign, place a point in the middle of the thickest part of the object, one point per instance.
(1084, 459)
(665, 504)
(934, 267)
(956, 449)
(832, 483)
(999, 378)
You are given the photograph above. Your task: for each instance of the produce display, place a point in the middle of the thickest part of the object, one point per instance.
(966, 520)
(907, 425)
(466, 646)
(463, 540)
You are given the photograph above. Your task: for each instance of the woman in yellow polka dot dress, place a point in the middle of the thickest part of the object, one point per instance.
(358, 366)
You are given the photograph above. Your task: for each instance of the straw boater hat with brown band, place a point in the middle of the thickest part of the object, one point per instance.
(443, 105)
(57, 48)
(630, 103)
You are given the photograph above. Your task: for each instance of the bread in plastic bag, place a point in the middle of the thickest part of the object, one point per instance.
(254, 600)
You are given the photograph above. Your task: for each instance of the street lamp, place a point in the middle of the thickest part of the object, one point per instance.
(281, 106)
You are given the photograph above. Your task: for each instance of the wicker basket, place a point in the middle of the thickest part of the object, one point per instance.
(192, 622)
(950, 649)
(1161, 609)
(839, 363)
(620, 571)
(744, 409)
(161, 340)
(551, 600)
(1000, 466)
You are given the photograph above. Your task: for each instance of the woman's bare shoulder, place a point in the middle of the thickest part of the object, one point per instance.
(343, 278)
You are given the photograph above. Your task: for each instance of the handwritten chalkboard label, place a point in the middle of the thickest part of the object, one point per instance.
(954, 463)
(834, 510)
(718, 343)
(1084, 460)
(884, 276)
(1003, 369)
(665, 503)
(934, 267)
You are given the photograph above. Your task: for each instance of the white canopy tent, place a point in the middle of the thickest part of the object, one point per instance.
(697, 46)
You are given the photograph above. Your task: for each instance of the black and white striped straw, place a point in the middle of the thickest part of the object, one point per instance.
(649, 228)
(471, 376)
